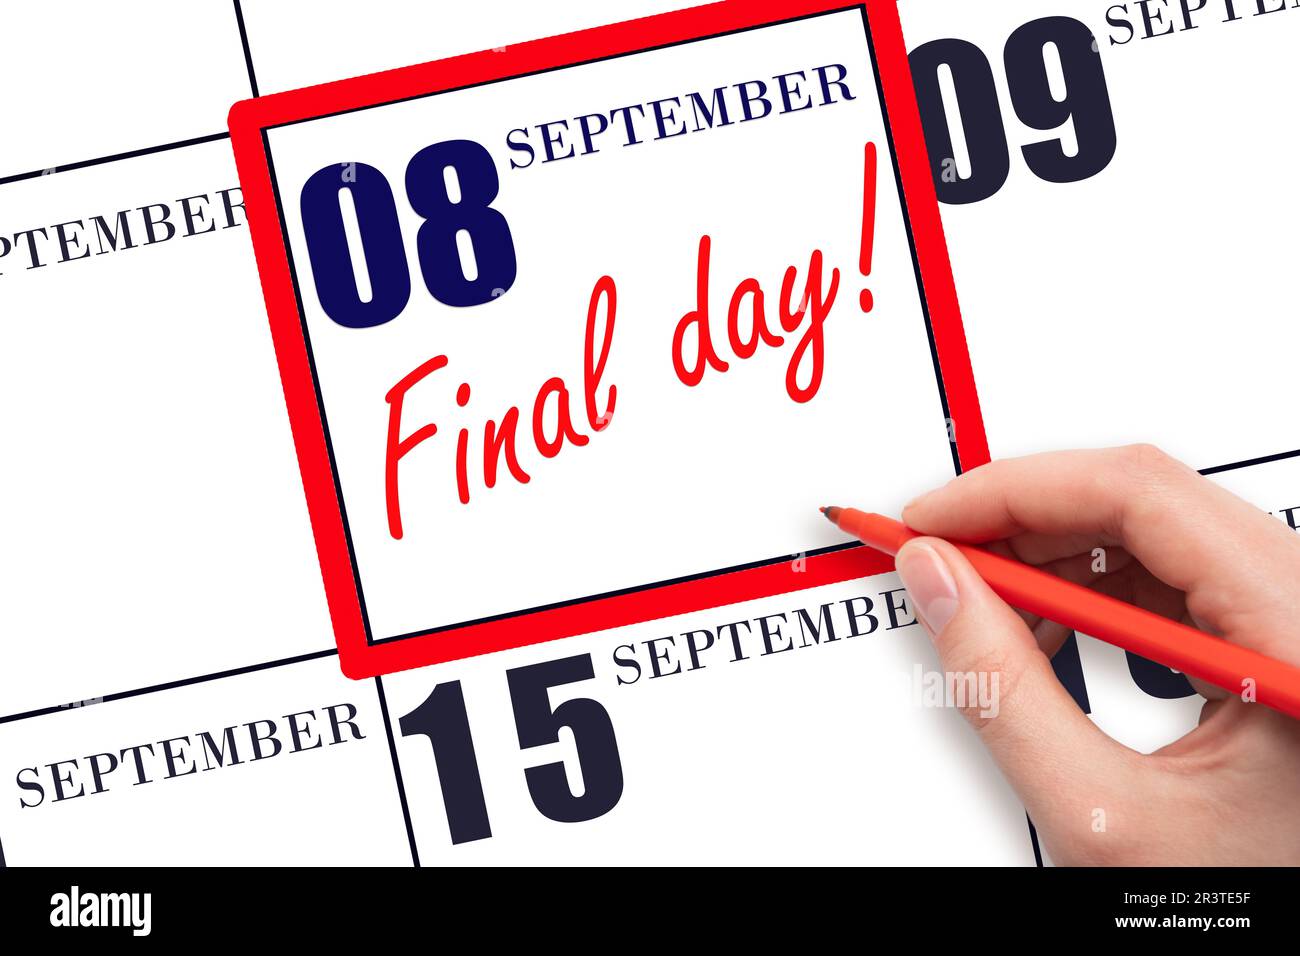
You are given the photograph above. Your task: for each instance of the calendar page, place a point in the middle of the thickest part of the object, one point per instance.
(609, 645)
(1151, 302)
(1146, 305)
(459, 399)
(344, 531)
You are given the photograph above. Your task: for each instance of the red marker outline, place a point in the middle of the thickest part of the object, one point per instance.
(868, 241)
(250, 119)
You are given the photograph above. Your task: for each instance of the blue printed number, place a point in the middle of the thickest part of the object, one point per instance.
(381, 245)
(466, 253)
(450, 278)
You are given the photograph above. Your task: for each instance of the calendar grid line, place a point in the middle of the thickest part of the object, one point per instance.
(170, 685)
(248, 53)
(1249, 462)
(397, 772)
(149, 150)
(113, 158)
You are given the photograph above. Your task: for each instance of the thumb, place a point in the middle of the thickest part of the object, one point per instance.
(1058, 761)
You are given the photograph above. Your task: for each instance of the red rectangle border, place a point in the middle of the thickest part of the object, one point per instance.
(250, 118)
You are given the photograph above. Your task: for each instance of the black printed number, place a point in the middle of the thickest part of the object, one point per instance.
(980, 114)
(593, 735)
(1086, 100)
(1084, 103)
(442, 718)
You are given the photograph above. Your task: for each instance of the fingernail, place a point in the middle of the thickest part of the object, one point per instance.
(918, 499)
(931, 585)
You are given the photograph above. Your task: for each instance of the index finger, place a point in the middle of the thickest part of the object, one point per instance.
(1236, 564)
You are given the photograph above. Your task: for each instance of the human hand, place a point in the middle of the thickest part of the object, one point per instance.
(1176, 544)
